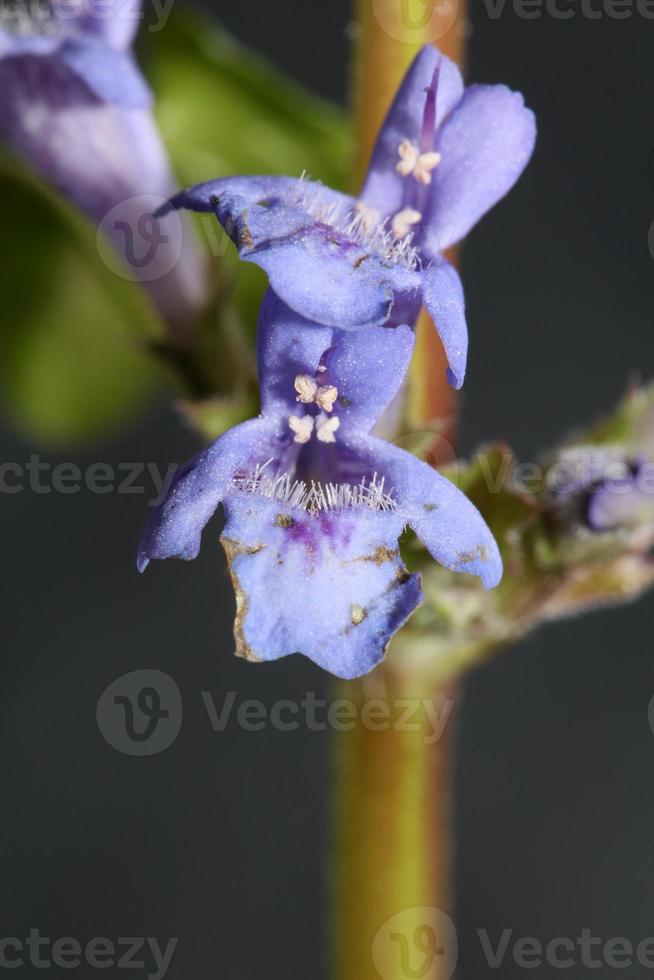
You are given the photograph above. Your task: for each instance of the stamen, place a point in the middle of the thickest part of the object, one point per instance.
(302, 427)
(416, 164)
(308, 392)
(306, 388)
(316, 497)
(326, 396)
(423, 168)
(360, 225)
(409, 154)
(325, 428)
(404, 221)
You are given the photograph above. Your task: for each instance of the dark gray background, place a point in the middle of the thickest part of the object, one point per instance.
(220, 840)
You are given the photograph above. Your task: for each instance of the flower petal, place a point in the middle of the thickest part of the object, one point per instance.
(175, 528)
(287, 346)
(250, 190)
(384, 188)
(16, 44)
(108, 75)
(115, 22)
(332, 282)
(622, 503)
(485, 144)
(367, 367)
(111, 75)
(447, 523)
(50, 116)
(312, 265)
(341, 590)
(443, 297)
(110, 162)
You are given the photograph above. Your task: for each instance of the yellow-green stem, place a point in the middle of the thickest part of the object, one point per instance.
(392, 843)
(392, 847)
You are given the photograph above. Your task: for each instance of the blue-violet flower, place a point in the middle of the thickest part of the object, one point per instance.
(444, 156)
(315, 504)
(75, 105)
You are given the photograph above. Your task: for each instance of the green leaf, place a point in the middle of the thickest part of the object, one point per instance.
(224, 110)
(73, 341)
(214, 416)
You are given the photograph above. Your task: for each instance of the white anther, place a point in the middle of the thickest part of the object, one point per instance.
(306, 388)
(326, 396)
(423, 168)
(370, 217)
(302, 426)
(409, 154)
(412, 161)
(404, 221)
(325, 428)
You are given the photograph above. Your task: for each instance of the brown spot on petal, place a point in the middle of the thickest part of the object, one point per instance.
(430, 507)
(245, 239)
(357, 614)
(481, 552)
(381, 555)
(284, 520)
(233, 549)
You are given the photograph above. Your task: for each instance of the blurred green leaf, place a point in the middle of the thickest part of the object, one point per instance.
(73, 358)
(214, 416)
(225, 110)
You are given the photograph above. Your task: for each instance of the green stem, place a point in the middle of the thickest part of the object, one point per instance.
(392, 843)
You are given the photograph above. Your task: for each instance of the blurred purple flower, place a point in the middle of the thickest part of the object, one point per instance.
(75, 105)
(315, 504)
(605, 488)
(623, 501)
(444, 156)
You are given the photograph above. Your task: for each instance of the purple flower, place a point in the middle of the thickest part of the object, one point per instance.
(315, 504)
(444, 156)
(623, 500)
(75, 105)
(604, 488)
